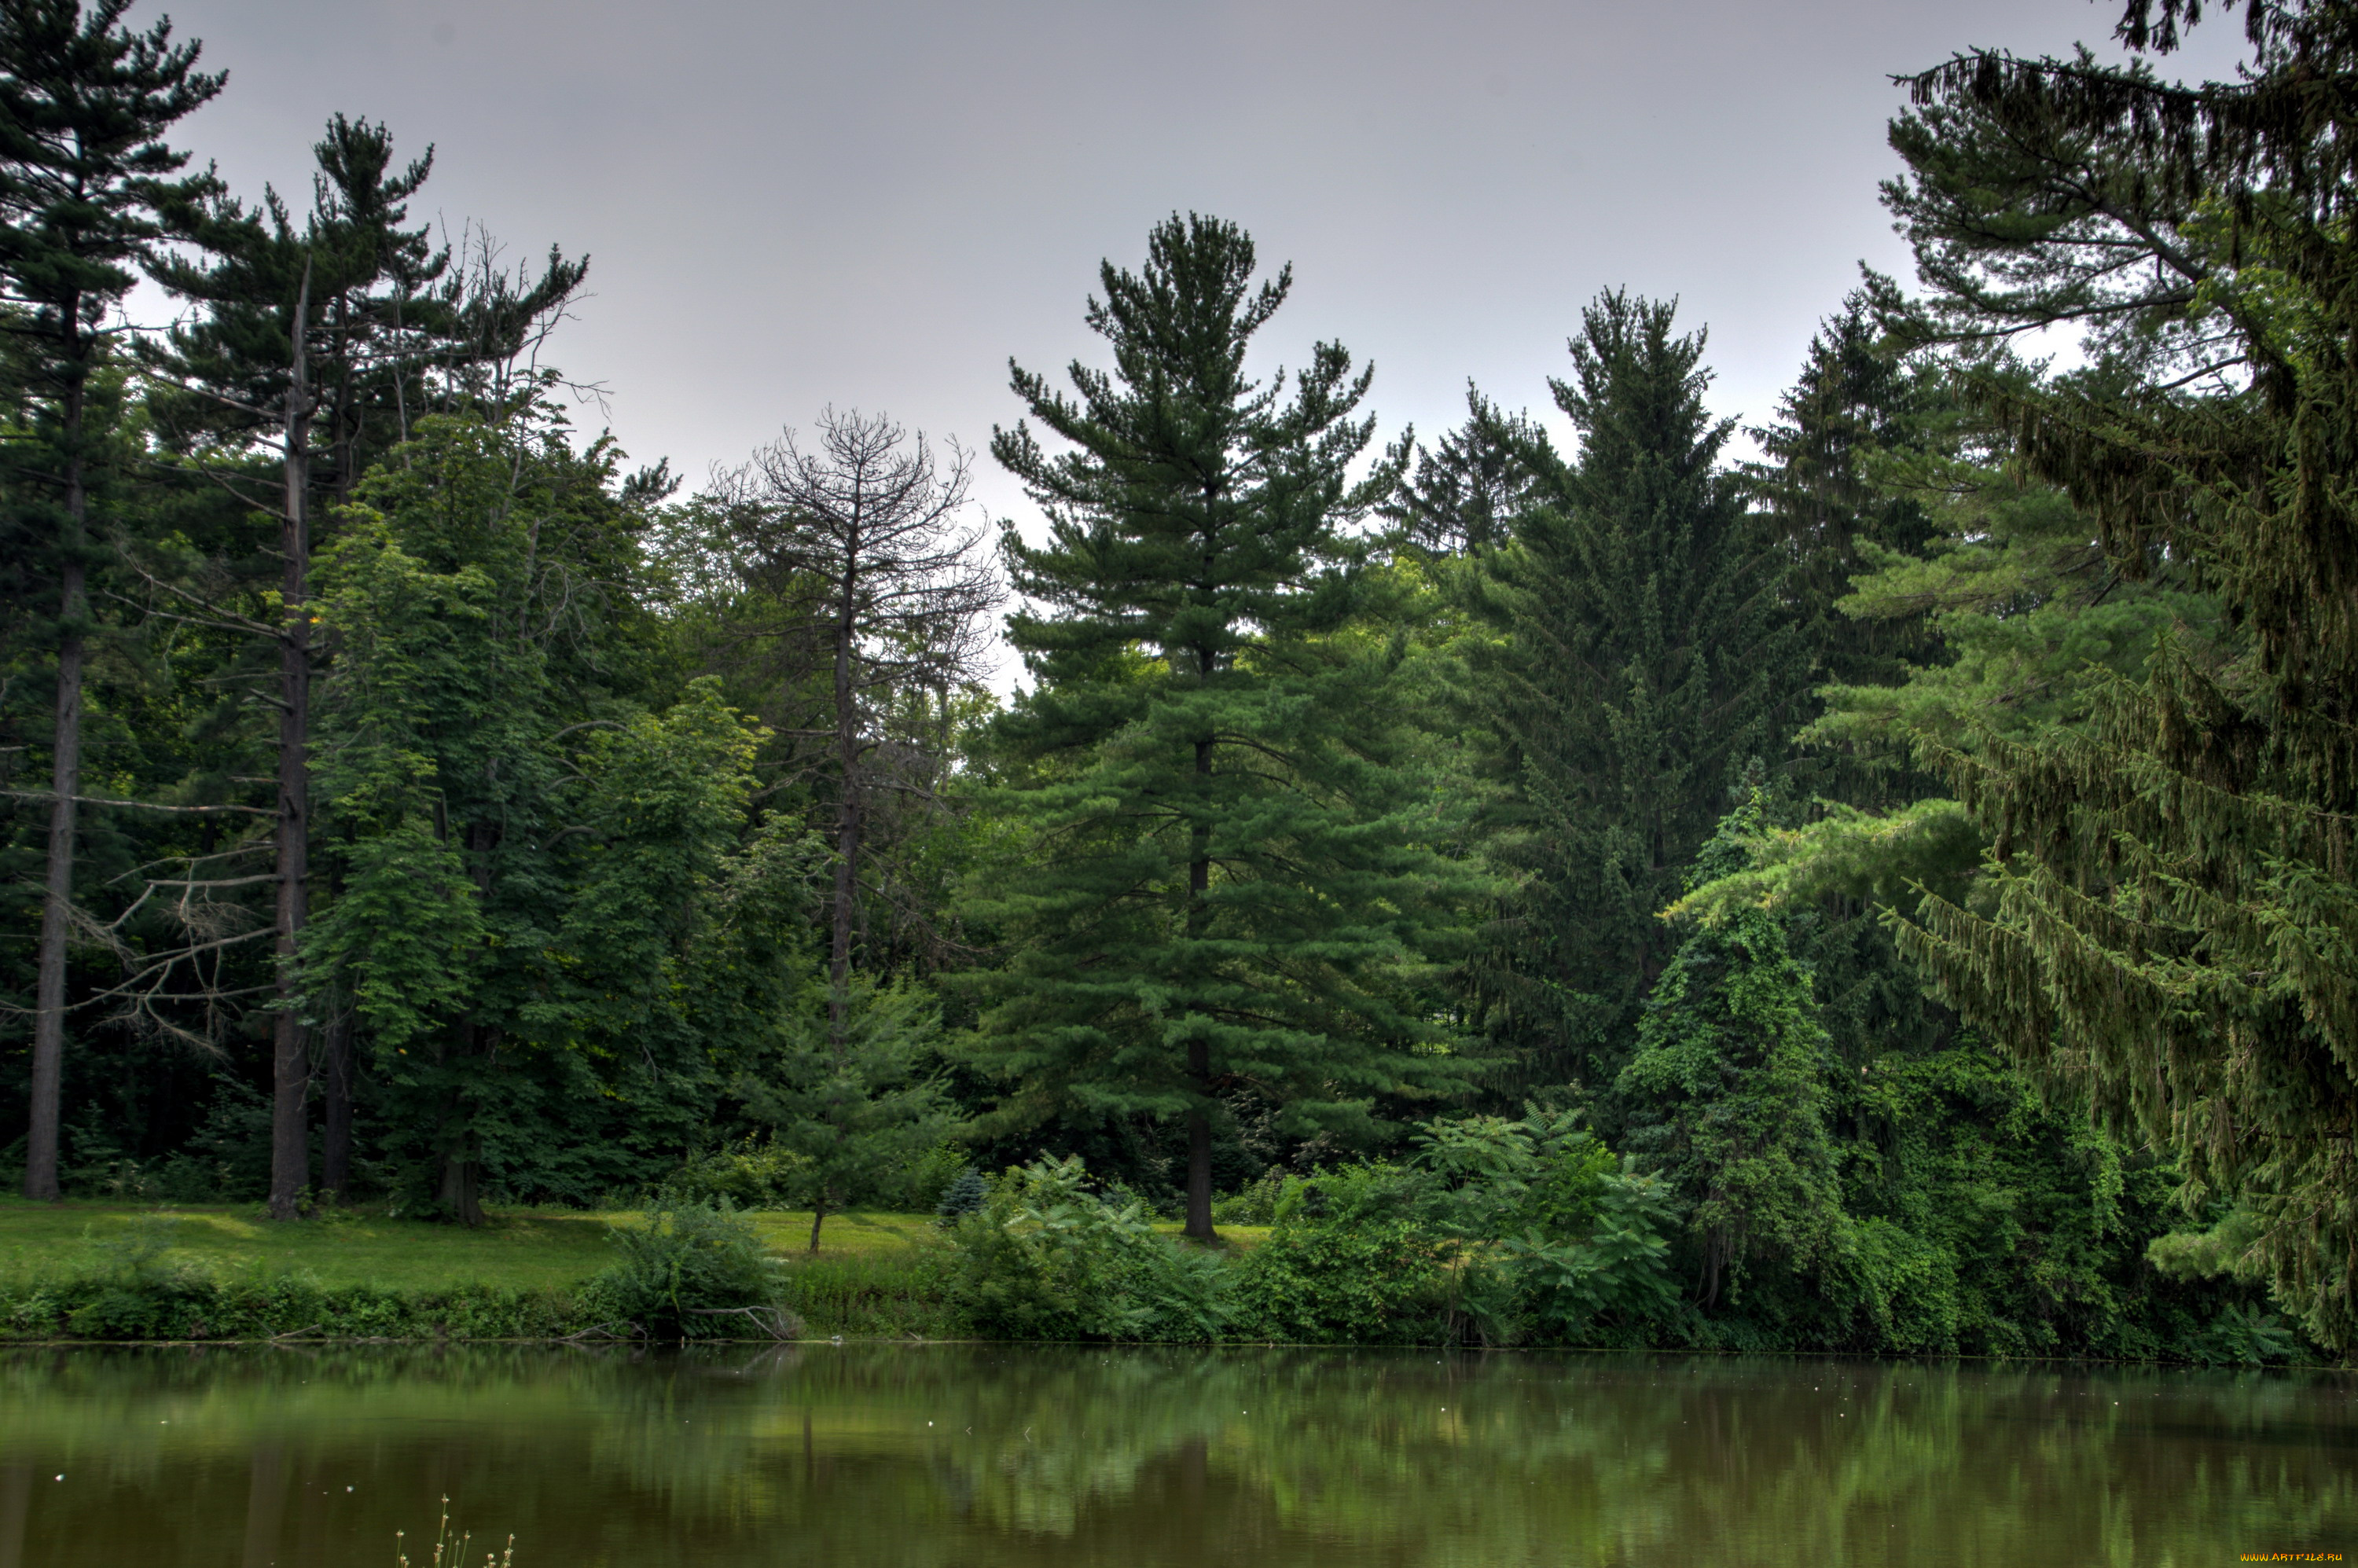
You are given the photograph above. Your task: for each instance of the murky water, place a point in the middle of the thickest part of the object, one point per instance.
(966, 1456)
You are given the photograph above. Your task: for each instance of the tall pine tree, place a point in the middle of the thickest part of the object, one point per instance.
(1224, 882)
(85, 177)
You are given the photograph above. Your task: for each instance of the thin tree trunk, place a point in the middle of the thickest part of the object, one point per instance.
(336, 1109)
(461, 1191)
(1200, 1049)
(847, 825)
(290, 1137)
(65, 786)
(818, 1214)
(461, 1194)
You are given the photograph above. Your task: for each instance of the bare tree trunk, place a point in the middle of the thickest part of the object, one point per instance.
(336, 1109)
(1200, 1049)
(847, 851)
(847, 821)
(65, 786)
(461, 1194)
(290, 1139)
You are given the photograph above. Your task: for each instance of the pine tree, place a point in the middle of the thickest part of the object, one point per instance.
(1223, 879)
(84, 178)
(1644, 657)
(2170, 915)
(851, 1093)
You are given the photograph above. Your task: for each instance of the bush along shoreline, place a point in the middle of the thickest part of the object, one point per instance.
(1496, 1233)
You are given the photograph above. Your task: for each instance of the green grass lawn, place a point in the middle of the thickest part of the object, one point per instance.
(523, 1248)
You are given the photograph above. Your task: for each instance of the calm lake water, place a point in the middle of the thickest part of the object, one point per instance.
(966, 1456)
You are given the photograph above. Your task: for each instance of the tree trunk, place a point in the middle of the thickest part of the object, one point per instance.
(65, 787)
(462, 1196)
(846, 826)
(818, 1214)
(336, 1109)
(1200, 1049)
(290, 1137)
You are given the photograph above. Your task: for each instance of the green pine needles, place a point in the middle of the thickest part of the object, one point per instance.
(1221, 876)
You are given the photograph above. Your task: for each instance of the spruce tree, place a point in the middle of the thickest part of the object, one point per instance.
(84, 179)
(1644, 656)
(1857, 403)
(1222, 882)
(1464, 495)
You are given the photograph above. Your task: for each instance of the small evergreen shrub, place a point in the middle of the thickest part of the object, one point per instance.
(963, 1197)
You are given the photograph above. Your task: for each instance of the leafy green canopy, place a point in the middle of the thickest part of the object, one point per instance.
(1729, 1093)
(1221, 878)
(534, 872)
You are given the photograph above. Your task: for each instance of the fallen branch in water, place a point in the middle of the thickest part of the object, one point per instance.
(780, 1323)
(593, 1331)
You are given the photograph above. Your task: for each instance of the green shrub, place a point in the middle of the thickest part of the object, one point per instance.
(2246, 1337)
(750, 1173)
(924, 1181)
(1047, 1257)
(1255, 1205)
(1348, 1277)
(1613, 1284)
(691, 1271)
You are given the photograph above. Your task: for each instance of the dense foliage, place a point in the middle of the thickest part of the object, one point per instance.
(1892, 896)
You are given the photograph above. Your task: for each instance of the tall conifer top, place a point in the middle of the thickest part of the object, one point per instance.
(1196, 513)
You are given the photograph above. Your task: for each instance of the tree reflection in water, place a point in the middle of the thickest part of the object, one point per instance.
(987, 1455)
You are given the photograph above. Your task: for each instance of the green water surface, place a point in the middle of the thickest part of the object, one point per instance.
(969, 1456)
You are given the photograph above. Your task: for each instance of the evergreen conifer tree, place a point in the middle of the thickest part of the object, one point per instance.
(84, 179)
(1856, 400)
(1224, 880)
(1463, 495)
(1645, 655)
(2171, 907)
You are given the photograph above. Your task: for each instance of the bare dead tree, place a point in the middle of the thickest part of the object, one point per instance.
(867, 573)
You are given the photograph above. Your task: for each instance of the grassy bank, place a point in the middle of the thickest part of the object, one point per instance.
(122, 1271)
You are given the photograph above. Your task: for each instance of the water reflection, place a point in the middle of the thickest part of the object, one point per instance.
(974, 1456)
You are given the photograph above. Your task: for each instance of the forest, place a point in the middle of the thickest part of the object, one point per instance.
(1879, 880)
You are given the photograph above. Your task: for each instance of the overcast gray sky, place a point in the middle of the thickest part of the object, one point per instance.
(876, 204)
